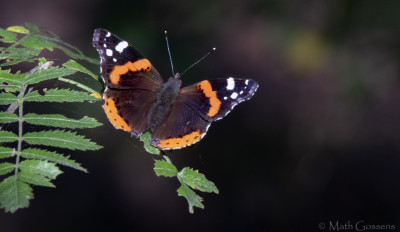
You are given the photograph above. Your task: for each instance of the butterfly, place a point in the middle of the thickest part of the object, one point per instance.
(138, 100)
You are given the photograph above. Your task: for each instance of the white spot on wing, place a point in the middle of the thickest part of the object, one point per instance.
(234, 95)
(241, 92)
(121, 46)
(230, 83)
(108, 34)
(104, 45)
(109, 52)
(115, 60)
(225, 98)
(246, 82)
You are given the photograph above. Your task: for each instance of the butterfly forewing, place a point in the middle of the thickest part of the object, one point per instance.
(122, 67)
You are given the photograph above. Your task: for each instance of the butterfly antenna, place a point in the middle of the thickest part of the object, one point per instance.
(202, 58)
(169, 53)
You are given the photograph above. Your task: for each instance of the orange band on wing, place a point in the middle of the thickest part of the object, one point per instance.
(181, 142)
(140, 65)
(112, 114)
(215, 103)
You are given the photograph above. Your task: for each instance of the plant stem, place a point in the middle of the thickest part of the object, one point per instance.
(20, 123)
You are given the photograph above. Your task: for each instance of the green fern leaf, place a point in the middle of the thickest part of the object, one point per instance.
(7, 98)
(196, 180)
(14, 194)
(62, 139)
(58, 120)
(19, 53)
(6, 168)
(33, 153)
(7, 36)
(5, 152)
(13, 62)
(41, 167)
(38, 42)
(192, 198)
(6, 117)
(47, 74)
(32, 178)
(58, 95)
(10, 81)
(71, 64)
(6, 136)
(164, 168)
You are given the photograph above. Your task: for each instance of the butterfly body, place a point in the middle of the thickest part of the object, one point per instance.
(165, 98)
(138, 100)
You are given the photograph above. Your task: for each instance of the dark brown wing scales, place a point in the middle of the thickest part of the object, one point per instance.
(183, 127)
(129, 110)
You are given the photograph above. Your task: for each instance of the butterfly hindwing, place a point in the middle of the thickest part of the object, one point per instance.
(183, 127)
(214, 99)
(122, 67)
(129, 110)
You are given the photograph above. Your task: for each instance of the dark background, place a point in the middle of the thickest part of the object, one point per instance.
(318, 143)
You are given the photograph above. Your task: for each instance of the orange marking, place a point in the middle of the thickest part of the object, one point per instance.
(140, 65)
(113, 116)
(181, 142)
(215, 103)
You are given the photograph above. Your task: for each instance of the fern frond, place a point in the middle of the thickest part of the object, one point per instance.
(19, 53)
(7, 36)
(6, 136)
(41, 167)
(10, 81)
(61, 139)
(35, 166)
(58, 95)
(7, 98)
(6, 117)
(57, 120)
(14, 194)
(47, 74)
(6, 152)
(37, 40)
(34, 153)
(35, 179)
(6, 168)
(14, 62)
(72, 64)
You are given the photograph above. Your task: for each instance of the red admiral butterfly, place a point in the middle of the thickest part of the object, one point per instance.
(137, 99)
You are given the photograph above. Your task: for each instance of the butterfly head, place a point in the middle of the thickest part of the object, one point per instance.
(174, 81)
